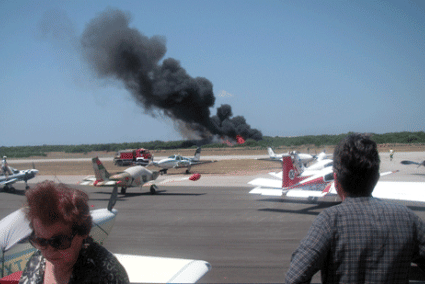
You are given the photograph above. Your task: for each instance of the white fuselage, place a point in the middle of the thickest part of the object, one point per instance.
(175, 161)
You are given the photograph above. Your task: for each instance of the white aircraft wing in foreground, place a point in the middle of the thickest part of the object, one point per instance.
(149, 269)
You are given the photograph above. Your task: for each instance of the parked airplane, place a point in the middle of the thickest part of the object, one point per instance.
(304, 158)
(321, 166)
(415, 163)
(321, 187)
(133, 176)
(178, 161)
(17, 175)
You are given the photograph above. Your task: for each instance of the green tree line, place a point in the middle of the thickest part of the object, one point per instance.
(277, 141)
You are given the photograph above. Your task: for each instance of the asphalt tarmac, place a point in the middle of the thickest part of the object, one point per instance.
(246, 238)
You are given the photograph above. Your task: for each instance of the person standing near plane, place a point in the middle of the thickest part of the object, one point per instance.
(61, 222)
(363, 239)
(5, 167)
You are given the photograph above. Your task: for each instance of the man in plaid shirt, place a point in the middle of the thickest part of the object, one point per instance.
(363, 239)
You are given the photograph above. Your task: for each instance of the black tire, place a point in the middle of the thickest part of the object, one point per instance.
(153, 189)
(123, 190)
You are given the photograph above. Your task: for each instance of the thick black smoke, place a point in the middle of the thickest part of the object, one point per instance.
(115, 50)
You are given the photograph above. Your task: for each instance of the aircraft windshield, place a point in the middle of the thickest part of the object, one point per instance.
(329, 177)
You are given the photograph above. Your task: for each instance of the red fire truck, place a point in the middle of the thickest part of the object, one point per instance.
(133, 157)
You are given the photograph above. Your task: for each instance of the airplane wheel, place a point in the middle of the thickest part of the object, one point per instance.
(188, 171)
(123, 190)
(312, 199)
(153, 189)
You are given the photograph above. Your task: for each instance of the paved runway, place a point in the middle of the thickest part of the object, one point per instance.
(246, 238)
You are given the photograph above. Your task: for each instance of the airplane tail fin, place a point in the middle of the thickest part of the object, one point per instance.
(321, 156)
(270, 151)
(100, 171)
(155, 175)
(290, 173)
(197, 156)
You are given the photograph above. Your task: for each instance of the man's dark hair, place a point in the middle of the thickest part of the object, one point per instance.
(356, 164)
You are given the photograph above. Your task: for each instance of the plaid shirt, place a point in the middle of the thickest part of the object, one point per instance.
(361, 240)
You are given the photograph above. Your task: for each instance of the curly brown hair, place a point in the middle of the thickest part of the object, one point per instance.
(55, 202)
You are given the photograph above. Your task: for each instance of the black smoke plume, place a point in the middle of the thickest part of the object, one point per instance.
(114, 50)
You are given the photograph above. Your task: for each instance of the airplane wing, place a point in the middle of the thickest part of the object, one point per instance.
(267, 191)
(192, 163)
(403, 191)
(270, 159)
(193, 177)
(93, 182)
(276, 174)
(9, 181)
(149, 269)
(267, 183)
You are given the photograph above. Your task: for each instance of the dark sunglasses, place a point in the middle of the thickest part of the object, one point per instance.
(60, 242)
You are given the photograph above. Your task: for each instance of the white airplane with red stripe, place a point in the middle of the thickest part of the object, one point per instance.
(321, 187)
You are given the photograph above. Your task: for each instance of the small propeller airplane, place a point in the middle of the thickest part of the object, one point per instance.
(303, 158)
(17, 175)
(130, 177)
(321, 187)
(321, 166)
(178, 161)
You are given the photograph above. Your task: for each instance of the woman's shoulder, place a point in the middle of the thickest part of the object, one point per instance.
(34, 269)
(96, 263)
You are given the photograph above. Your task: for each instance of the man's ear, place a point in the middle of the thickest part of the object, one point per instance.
(339, 188)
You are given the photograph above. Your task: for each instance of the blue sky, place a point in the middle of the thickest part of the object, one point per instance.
(289, 67)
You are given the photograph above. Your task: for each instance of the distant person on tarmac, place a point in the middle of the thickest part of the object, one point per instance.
(5, 167)
(391, 155)
(363, 239)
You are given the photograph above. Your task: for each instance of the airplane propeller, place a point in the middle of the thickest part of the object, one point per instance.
(113, 198)
(415, 163)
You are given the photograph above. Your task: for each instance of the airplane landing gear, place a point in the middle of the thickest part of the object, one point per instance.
(8, 188)
(123, 189)
(153, 189)
(312, 199)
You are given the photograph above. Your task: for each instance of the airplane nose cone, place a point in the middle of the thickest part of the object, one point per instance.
(35, 171)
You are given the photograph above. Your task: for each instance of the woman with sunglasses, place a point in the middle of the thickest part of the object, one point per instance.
(61, 222)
